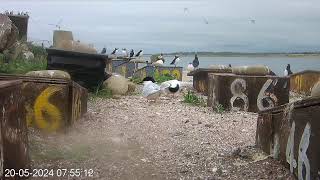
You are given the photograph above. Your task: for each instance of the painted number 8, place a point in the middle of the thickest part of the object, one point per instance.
(238, 86)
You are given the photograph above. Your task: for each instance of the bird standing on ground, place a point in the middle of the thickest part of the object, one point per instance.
(151, 91)
(140, 53)
(287, 71)
(175, 60)
(195, 62)
(131, 53)
(114, 51)
(104, 50)
(170, 87)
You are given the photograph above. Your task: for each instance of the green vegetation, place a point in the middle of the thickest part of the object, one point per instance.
(193, 99)
(219, 108)
(136, 80)
(21, 65)
(162, 78)
(100, 92)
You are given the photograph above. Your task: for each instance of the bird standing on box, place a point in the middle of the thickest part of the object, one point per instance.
(124, 52)
(139, 54)
(131, 53)
(160, 60)
(104, 50)
(175, 60)
(287, 71)
(195, 62)
(114, 51)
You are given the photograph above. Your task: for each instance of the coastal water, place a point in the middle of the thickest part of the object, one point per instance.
(276, 63)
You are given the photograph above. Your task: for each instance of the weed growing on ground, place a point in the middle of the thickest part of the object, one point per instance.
(193, 99)
(219, 109)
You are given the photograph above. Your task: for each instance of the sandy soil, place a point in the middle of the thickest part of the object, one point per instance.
(130, 138)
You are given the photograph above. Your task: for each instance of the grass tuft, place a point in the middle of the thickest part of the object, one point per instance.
(193, 99)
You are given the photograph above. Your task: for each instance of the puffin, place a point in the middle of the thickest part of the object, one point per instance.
(175, 60)
(287, 71)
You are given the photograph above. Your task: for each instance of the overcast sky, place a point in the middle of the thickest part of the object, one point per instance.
(166, 26)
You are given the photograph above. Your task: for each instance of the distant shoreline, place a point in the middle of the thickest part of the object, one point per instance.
(237, 54)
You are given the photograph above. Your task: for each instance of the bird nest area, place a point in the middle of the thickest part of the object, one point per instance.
(130, 138)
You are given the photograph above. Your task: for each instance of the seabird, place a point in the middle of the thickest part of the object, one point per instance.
(287, 71)
(114, 51)
(171, 87)
(104, 50)
(151, 91)
(190, 67)
(131, 53)
(175, 60)
(230, 66)
(124, 52)
(160, 60)
(253, 21)
(195, 62)
(148, 78)
(140, 53)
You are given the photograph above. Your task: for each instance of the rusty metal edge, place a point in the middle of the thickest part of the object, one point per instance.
(61, 52)
(7, 83)
(34, 79)
(304, 72)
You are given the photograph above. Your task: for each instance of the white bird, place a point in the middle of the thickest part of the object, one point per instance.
(175, 60)
(151, 91)
(171, 87)
(124, 52)
(160, 61)
(190, 67)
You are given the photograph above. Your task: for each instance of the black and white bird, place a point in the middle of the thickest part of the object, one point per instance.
(287, 71)
(131, 53)
(140, 53)
(195, 62)
(114, 51)
(171, 87)
(160, 60)
(175, 60)
(124, 52)
(104, 50)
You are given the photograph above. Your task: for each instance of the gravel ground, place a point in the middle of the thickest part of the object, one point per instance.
(130, 138)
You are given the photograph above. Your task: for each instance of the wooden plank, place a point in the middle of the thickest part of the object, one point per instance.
(14, 151)
(302, 82)
(291, 134)
(247, 93)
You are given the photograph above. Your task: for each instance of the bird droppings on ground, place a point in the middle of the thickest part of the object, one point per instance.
(130, 138)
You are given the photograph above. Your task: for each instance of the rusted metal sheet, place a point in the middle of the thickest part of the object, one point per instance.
(88, 70)
(291, 134)
(247, 93)
(51, 104)
(201, 80)
(14, 153)
(302, 82)
(154, 71)
(123, 67)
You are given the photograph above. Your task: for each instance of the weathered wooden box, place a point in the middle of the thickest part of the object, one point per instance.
(247, 93)
(302, 82)
(51, 104)
(201, 79)
(154, 71)
(88, 70)
(14, 153)
(291, 134)
(122, 67)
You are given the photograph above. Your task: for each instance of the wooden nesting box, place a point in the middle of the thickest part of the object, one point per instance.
(302, 82)
(291, 134)
(51, 104)
(247, 93)
(155, 71)
(14, 153)
(86, 69)
(201, 79)
(122, 67)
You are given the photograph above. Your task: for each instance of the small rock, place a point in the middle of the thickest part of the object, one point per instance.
(214, 170)
(144, 160)
(186, 121)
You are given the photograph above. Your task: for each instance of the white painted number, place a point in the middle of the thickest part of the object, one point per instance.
(270, 98)
(303, 160)
(238, 86)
